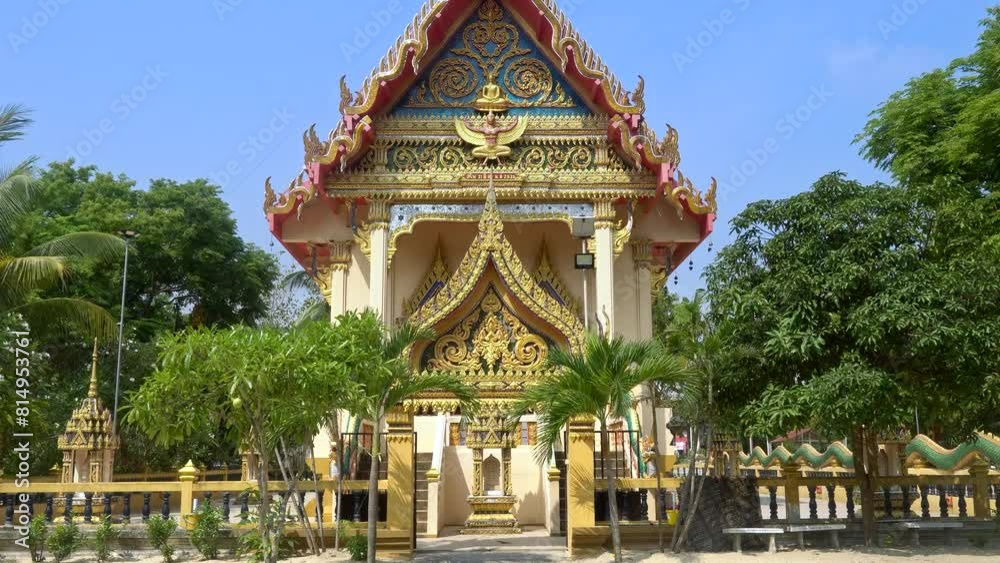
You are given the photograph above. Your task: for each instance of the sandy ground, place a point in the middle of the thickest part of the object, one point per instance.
(935, 554)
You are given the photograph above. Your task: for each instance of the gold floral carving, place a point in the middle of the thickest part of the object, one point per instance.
(490, 43)
(500, 341)
(657, 280)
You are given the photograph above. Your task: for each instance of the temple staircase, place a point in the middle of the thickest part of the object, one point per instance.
(423, 463)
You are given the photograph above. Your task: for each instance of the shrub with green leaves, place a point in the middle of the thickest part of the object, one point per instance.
(357, 546)
(206, 531)
(103, 536)
(159, 530)
(37, 532)
(64, 540)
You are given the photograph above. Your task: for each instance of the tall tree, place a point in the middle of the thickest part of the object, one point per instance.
(945, 124)
(598, 381)
(188, 266)
(862, 311)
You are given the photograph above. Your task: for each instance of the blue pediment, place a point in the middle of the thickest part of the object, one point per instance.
(490, 48)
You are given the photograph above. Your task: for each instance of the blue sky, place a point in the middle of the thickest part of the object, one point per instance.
(187, 88)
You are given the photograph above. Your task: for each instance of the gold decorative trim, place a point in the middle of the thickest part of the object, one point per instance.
(698, 204)
(642, 253)
(546, 274)
(491, 246)
(565, 39)
(296, 191)
(437, 274)
(340, 255)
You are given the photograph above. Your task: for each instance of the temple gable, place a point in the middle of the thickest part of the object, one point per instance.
(490, 49)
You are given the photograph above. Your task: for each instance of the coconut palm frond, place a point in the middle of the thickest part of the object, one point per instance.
(82, 245)
(14, 119)
(298, 280)
(317, 310)
(17, 191)
(61, 314)
(27, 273)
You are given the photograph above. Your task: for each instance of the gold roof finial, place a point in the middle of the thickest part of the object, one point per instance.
(92, 392)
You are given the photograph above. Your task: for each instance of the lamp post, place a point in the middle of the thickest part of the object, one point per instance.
(128, 235)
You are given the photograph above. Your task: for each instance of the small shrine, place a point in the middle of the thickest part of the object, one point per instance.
(89, 442)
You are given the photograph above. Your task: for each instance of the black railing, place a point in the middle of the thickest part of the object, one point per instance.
(620, 457)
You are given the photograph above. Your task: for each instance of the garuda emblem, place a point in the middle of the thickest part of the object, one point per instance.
(492, 140)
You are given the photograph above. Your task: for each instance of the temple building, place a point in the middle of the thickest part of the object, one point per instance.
(493, 181)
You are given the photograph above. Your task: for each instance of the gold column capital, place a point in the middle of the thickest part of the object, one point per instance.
(642, 253)
(604, 214)
(378, 212)
(340, 254)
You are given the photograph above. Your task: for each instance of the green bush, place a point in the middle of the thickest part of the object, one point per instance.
(256, 548)
(37, 532)
(206, 531)
(103, 536)
(357, 546)
(64, 540)
(159, 531)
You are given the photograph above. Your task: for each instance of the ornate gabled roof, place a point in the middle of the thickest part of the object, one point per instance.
(90, 426)
(435, 21)
(585, 118)
(491, 247)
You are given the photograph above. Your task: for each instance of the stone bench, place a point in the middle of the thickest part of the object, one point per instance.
(915, 526)
(801, 529)
(738, 533)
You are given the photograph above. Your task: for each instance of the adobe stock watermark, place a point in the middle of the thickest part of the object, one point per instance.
(785, 129)
(122, 108)
(32, 25)
(225, 7)
(711, 32)
(252, 147)
(901, 14)
(368, 31)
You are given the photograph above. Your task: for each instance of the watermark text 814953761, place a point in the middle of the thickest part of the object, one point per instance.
(21, 433)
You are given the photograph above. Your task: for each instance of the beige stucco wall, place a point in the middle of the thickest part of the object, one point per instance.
(457, 470)
(660, 223)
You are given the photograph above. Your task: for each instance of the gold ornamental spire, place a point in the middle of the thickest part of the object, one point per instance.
(491, 222)
(92, 392)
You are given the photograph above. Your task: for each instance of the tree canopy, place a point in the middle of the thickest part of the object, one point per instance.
(188, 266)
(864, 306)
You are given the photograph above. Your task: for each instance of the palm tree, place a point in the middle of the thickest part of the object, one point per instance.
(388, 383)
(600, 382)
(48, 265)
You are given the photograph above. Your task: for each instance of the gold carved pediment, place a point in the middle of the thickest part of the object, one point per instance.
(489, 340)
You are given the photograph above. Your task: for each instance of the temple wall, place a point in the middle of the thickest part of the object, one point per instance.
(457, 469)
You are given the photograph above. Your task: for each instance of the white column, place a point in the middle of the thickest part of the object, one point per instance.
(604, 239)
(340, 264)
(642, 255)
(378, 287)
